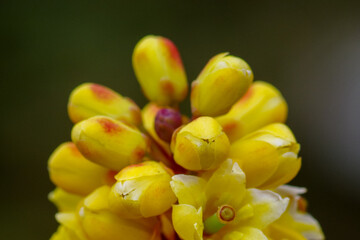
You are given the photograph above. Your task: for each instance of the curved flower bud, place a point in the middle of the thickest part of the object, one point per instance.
(64, 201)
(220, 84)
(72, 172)
(268, 156)
(99, 223)
(90, 99)
(142, 190)
(261, 105)
(200, 145)
(159, 70)
(108, 142)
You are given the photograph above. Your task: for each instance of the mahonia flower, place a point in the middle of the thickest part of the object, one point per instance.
(155, 173)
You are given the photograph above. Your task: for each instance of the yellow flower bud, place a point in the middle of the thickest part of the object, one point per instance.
(159, 70)
(200, 145)
(221, 83)
(89, 99)
(99, 223)
(72, 172)
(64, 201)
(261, 105)
(142, 190)
(268, 156)
(108, 142)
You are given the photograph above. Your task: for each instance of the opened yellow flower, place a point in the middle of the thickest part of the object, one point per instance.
(154, 173)
(222, 206)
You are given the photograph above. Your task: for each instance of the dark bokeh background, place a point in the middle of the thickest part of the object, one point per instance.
(310, 51)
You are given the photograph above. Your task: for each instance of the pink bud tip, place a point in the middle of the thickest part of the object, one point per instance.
(166, 121)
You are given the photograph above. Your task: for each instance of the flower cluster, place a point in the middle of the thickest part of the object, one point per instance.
(153, 173)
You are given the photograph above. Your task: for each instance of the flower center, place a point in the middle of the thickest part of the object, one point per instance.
(224, 215)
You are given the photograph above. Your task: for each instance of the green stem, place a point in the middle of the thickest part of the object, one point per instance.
(212, 224)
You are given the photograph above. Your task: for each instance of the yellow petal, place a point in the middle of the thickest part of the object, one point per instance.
(159, 70)
(261, 105)
(89, 99)
(222, 82)
(226, 186)
(108, 142)
(200, 145)
(268, 206)
(277, 231)
(295, 221)
(187, 222)
(259, 160)
(189, 190)
(63, 234)
(64, 201)
(252, 234)
(72, 172)
(72, 225)
(240, 233)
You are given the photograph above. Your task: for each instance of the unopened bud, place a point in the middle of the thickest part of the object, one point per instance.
(166, 121)
(142, 190)
(221, 83)
(71, 171)
(108, 142)
(89, 99)
(159, 70)
(200, 145)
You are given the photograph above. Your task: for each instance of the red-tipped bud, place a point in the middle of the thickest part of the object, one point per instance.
(166, 121)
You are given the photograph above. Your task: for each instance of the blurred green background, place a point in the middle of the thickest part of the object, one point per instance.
(310, 51)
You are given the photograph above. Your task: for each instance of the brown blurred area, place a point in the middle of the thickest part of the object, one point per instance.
(310, 51)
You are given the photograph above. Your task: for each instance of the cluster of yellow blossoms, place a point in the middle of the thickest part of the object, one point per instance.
(156, 174)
